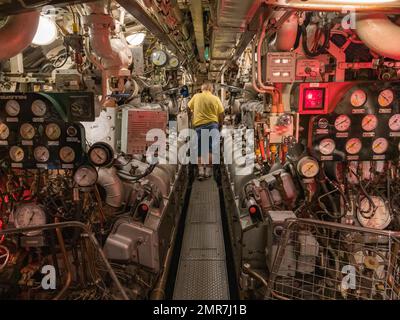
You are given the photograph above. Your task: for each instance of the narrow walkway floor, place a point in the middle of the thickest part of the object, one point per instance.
(202, 273)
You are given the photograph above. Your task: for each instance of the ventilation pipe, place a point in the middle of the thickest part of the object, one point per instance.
(379, 34)
(113, 186)
(17, 33)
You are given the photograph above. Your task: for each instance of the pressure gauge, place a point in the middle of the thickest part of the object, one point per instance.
(379, 219)
(308, 167)
(29, 215)
(158, 58)
(67, 154)
(41, 154)
(27, 131)
(353, 146)
(358, 98)
(394, 122)
(342, 123)
(53, 131)
(101, 154)
(16, 154)
(39, 108)
(85, 176)
(386, 98)
(380, 146)
(13, 108)
(4, 131)
(369, 122)
(173, 62)
(327, 146)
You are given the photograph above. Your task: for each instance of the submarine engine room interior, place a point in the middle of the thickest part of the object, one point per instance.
(303, 202)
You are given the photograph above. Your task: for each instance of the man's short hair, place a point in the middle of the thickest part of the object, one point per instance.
(207, 86)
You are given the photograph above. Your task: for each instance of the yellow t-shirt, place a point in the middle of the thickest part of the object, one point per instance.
(205, 108)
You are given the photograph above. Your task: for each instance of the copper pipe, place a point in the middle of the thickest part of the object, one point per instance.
(68, 279)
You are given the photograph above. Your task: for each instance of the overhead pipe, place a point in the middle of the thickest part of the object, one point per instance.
(379, 34)
(17, 34)
(196, 9)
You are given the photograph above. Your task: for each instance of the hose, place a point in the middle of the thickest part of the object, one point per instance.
(320, 49)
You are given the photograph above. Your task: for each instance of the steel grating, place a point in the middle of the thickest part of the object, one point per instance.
(202, 273)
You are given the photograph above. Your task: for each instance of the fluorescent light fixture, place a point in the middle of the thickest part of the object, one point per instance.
(46, 32)
(136, 39)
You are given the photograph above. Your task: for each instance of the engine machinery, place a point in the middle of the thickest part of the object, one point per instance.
(316, 83)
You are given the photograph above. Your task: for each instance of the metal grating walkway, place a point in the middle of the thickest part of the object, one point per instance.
(202, 273)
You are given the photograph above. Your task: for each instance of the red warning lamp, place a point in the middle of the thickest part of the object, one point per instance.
(313, 100)
(253, 210)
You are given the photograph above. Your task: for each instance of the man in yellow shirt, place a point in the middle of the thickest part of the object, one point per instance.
(207, 115)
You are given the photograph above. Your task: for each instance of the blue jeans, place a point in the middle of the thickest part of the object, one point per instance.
(210, 131)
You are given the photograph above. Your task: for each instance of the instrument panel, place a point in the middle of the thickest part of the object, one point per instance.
(365, 125)
(34, 135)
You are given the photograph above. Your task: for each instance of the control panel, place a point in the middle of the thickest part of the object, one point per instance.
(364, 125)
(35, 135)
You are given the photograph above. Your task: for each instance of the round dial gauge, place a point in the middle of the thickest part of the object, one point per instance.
(13, 108)
(173, 62)
(53, 131)
(380, 146)
(16, 154)
(394, 122)
(342, 123)
(101, 154)
(72, 132)
(353, 146)
(369, 122)
(27, 131)
(4, 131)
(379, 219)
(327, 146)
(41, 154)
(159, 58)
(29, 215)
(85, 176)
(358, 98)
(39, 108)
(308, 167)
(67, 154)
(386, 98)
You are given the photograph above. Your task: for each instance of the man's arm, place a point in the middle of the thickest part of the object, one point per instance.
(221, 113)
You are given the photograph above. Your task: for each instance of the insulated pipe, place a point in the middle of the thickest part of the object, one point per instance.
(109, 180)
(287, 34)
(17, 34)
(379, 34)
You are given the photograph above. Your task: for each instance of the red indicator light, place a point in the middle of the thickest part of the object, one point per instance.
(314, 99)
(144, 208)
(252, 210)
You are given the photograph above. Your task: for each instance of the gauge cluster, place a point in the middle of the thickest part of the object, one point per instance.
(365, 125)
(33, 134)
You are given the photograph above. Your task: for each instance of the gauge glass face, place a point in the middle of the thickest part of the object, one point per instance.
(72, 132)
(67, 154)
(27, 131)
(53, 131)
(369, 122)
(13, 108)
(85, 176)
(173, 62)
(159, 58)
(394, 122)
(29, 215)
(380, 146)
(4, 131)
(342, 123)
(358, 98)
(327, 146)
(368, 219)
(353, 146)
(39, 108)
(16, 154)
(309, 168)
(41, 154)
(98, 156)
(386, 98)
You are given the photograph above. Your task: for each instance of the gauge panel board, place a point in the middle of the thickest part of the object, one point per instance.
(374, 125)
(38, 138)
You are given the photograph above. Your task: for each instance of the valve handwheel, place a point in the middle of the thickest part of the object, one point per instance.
(4, 257)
